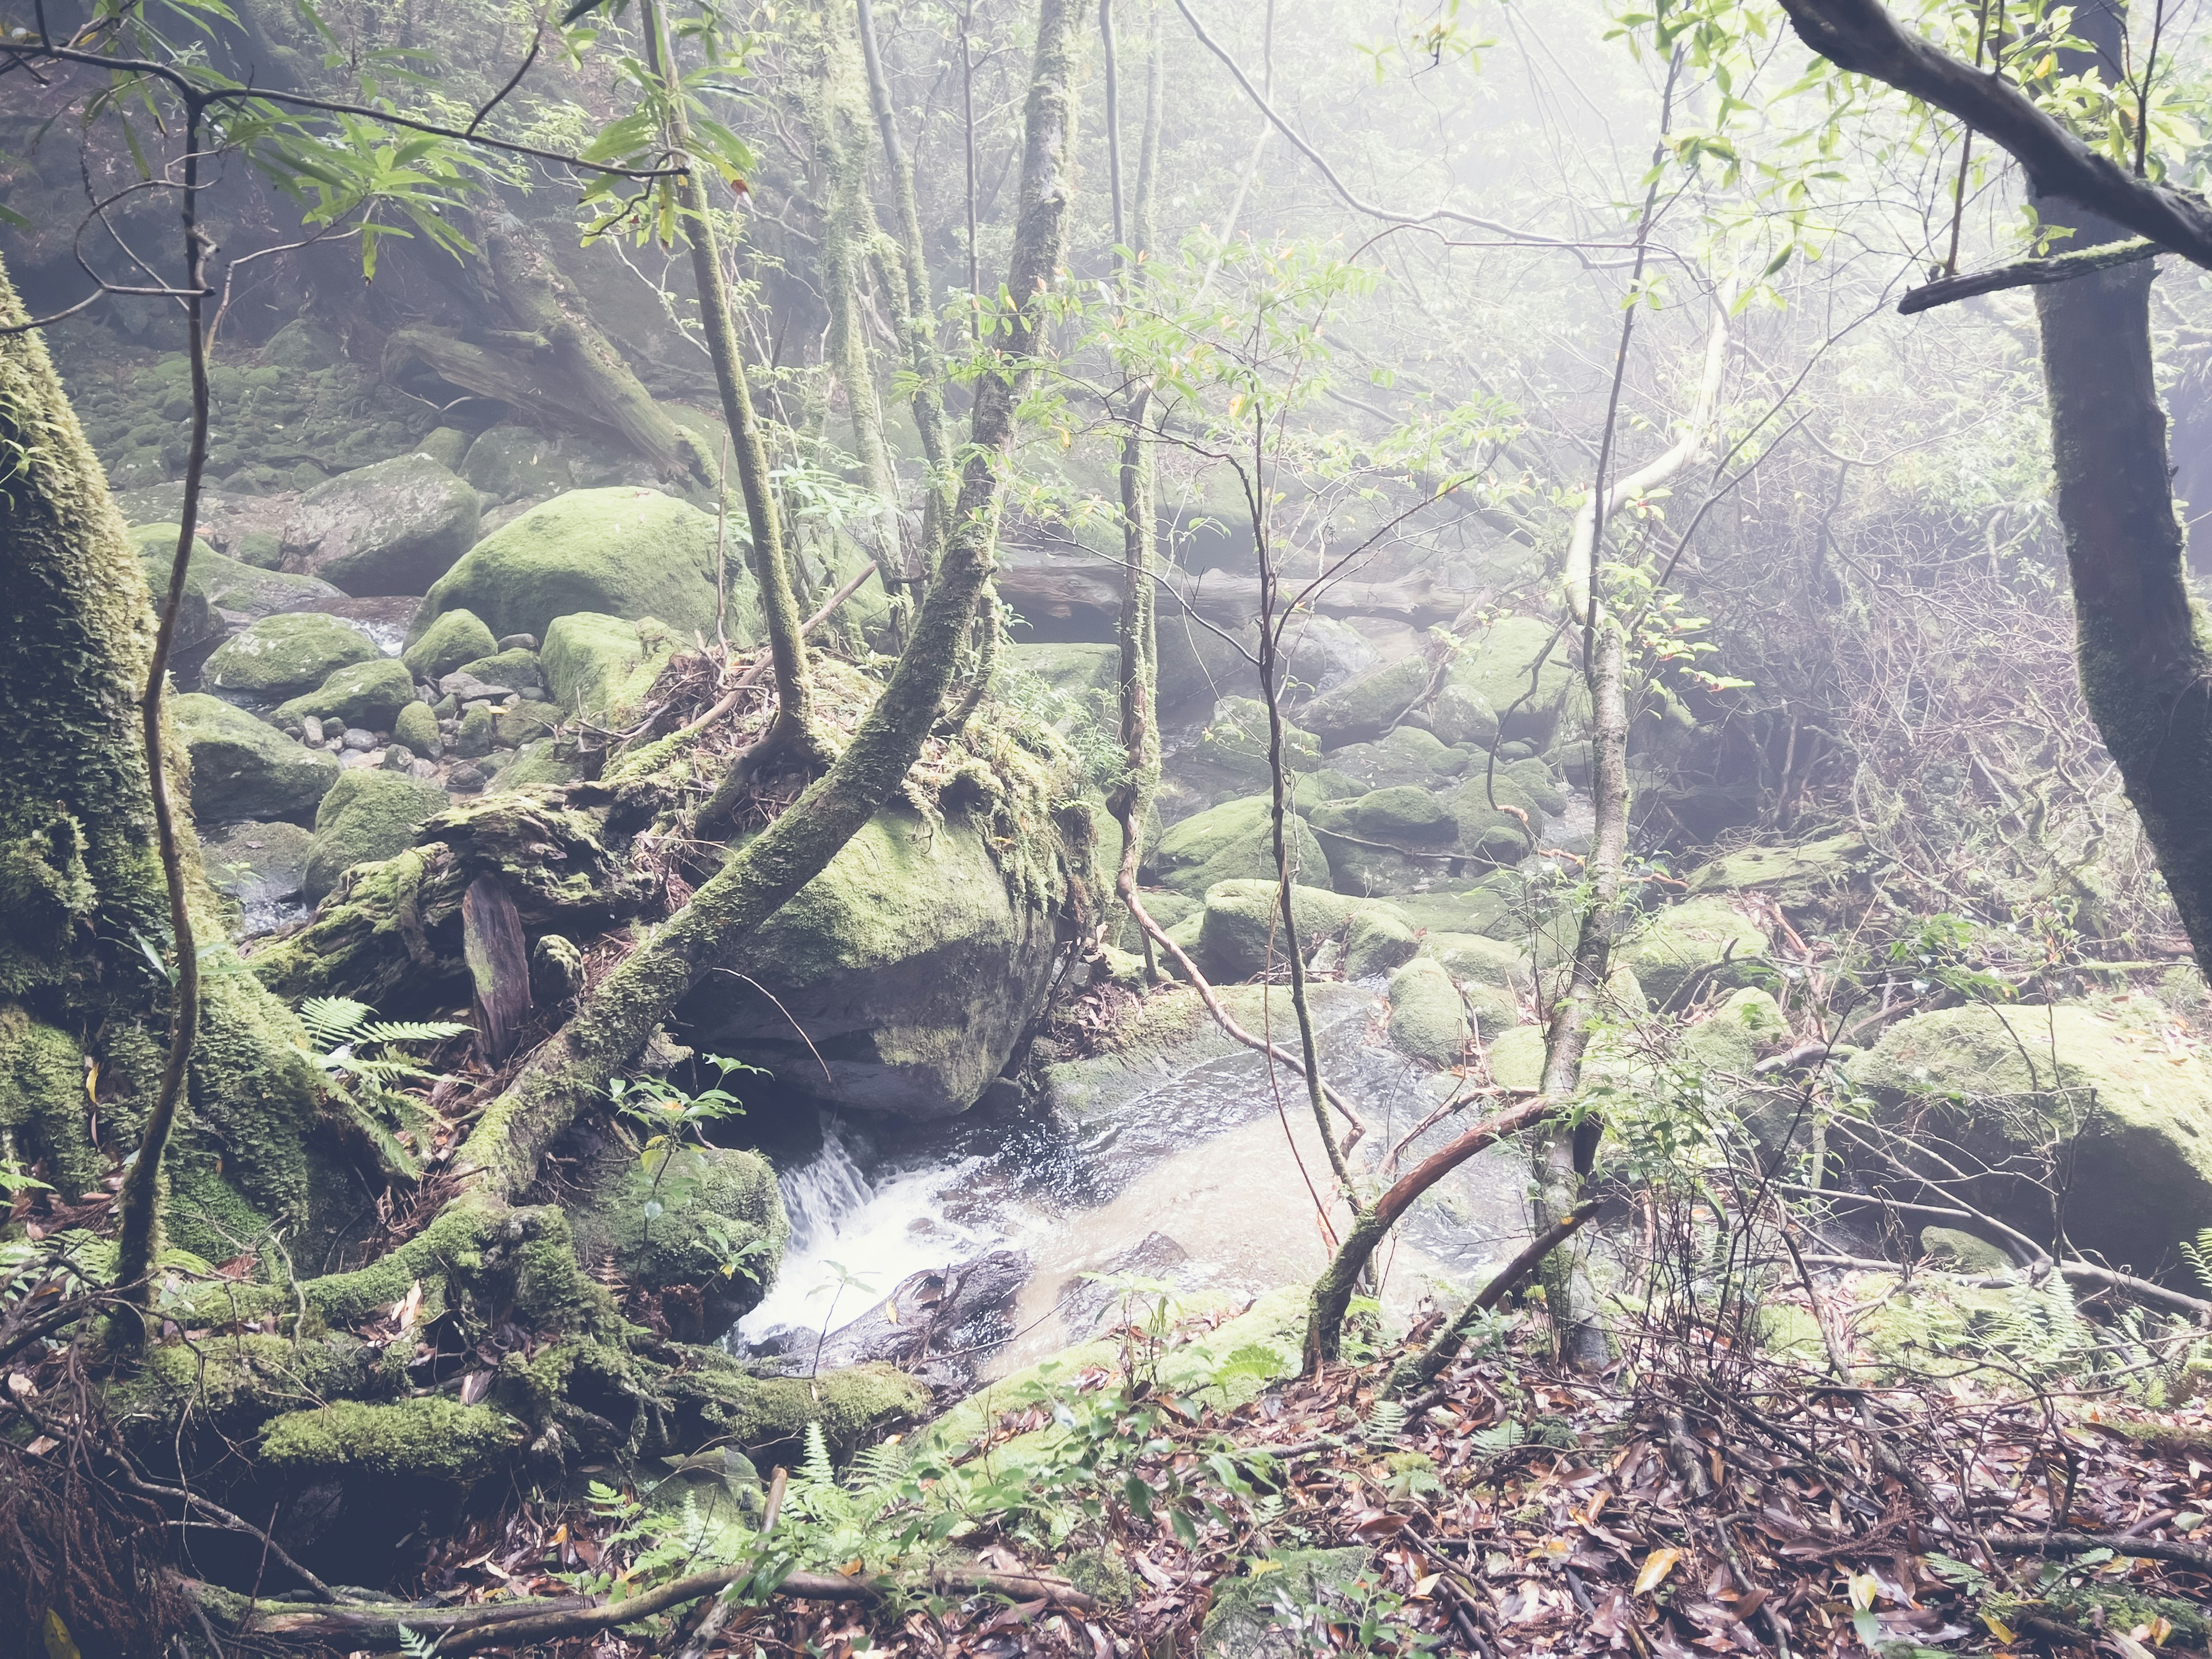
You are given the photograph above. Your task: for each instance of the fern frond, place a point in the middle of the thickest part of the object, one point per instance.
(1385, 1423)
(411, 1030)
(333, 1020)
(876, 1467)
(816, 1468)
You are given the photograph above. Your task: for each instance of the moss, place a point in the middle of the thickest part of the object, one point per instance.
(513, 670)
(1516, 1058)
(243, 768)
(286, 655)
(623, 552)
(393, 526)
(233, 1383)
(1242, 925)
(367, 816)
(1376, 941)
(684, 1221)
(368, 939)
(1068, 669)
(538, 763)
(1962, 1252)
(42, 1100)
(456, 636)
(2131, 1124)
(1794, 876)
(417, 727)
(853, 1405)
(368, 695)
(1232, 840)
(1427, 1020)
(433, 1438)
(524, 722)
(1367, 705)
(1495, 667)
(1685, 950)
(601, 668)
(479, 728)
(1236, 740)
(223, 584)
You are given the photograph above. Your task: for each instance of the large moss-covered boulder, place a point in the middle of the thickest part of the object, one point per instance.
(704, 1223)
(1794, 876)
(625, 552)
(243, 768)
(901, 976)
(1366, 706)
(1494, 668)
(368, 815)
(1242, 925)
(1407, 755)
(1685, 950)
(1232, 840)
(1236, 739)
(1068, 668)
(2064, 1098)
(197, 621)
(456, 637)
(285, 655)
(392, 527)
(513, 463)
(599, 668)
(1397, 840)
(235, 585)
(1427, 1019)
(258, 865)
(369, 695)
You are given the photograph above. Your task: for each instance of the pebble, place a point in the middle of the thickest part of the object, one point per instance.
(311, 731)
(355, 738)
(519, 642)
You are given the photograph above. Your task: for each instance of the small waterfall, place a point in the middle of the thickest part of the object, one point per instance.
(820, 1192)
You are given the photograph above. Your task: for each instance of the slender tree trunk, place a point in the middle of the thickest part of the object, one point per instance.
(571, 1072)
(771, 571)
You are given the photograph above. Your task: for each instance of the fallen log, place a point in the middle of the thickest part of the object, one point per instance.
(1046, 585)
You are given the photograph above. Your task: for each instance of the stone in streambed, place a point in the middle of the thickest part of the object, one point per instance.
(368, 694)
(1681, 950)
(366, 815)
(1232, 840)
(454, 638)
(286, 655)
(243, 767)
(393, 527)
(599, 668)
(417, 727)
(1427, 1019)
(1366, 706)
(256, 864)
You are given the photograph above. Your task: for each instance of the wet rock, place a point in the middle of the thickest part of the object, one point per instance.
(1427, 1019)
(1377, 940)
(447, 445)
(498, 676)
(1320, 653)
(1242, 923)
(228, 586)
(671, 1225)
(907, 964)
(537, 762)
(283, 656)
(243, 767)
(311, 731)
(1407, 756)
(368, 694)
(508, 463)
(465, 778)
(398, 758)
(456, 637)
(1236, 740)
(519, 642)
(359, 738)
(1364, 708)
(366, 815)
(624, 552)
(940, 1324)
(599, 668)
(1232, 840)
(2028, 1091)
(1460, 714)
(1495, 667)
(257, 865)
(393, 527)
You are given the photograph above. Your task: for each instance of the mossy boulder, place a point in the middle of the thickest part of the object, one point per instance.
(705, 1221)
(303, 346)
(368, 815)
(239, 587)
(513, 670)
(417, 727)
(513, 463)
(392, 527)
(538, 763)
(1962, 1252)
(285, 655)
(1685, 950)
(1236, 740)
(624, 552)
(1427, 1019)
(1068, 668)
(197, 621)
(479, 730)
(1461, 715)
(1243, 923)
(599, 668)
(2127, 1123)
(1794, 876)
(1233, 840)
(1377, 940)
(369, 695)
(1406, 755)
(907, 968)
(257, 865)
(1516, 1058)
(1495, 667)
(1366, 706)
(456, 637)
(433, 1438)
(243, 768)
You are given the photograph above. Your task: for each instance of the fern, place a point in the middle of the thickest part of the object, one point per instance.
(2198, 1255)
(374, 1086)
(876, 1469)
(1385, 1423)
(1498, 1436)
(815, 1469)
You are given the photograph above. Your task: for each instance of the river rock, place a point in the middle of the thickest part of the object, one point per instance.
(368, 694)
(1796, 877)
(671, 1224)
(1242, 921)
(938, 1324)
(454, 638)
(906, 964)
(243, 767)
(1069, 670)
(257, 865)
(393, 527)
(1427, 1019)
(1495, 667)
(417, 727)
(1232, 840)
(599, 668)
(1236, 740)
(497, 676)
(2126, 1123)
(238, 590)
(513, 463)
(479, 726)
(1364, 708)
(1407, 755)
(367, 814)
(626, 552)
(1682, 950)
(285, 655)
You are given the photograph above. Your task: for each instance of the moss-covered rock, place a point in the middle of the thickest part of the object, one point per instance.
(1242, 925)
(479, 730)
(1495, 667)
(257, 864)
(455, 637)
(239, 587)
(907, 965)
(1068, 669)
(43, 1101)
(243, 768)
(1461, 715)
(2128, 1124)
(284, 655)
(1369, 704)
(1405, 754)
(1516, 1058)
(513, 463)
(624, 552)
(417, 727)
(369, 695)
(433, 1438)
(1376, 941)
(1233, 840)
(1794, 876)
(368, 815)
(197, 621)
(707, 1219)
(599, 668)
(538, 763)
(1948, 1247)
(1427, 1020)
(513, 670)
(1685, 950)
(1236, 740)
(853, 1405)
(392, 527)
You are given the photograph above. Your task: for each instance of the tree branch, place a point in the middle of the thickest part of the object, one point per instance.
(2027, 273)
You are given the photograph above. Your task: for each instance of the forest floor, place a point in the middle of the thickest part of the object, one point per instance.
(1697, 1497)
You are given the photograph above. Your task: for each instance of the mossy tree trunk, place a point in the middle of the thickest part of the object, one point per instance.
(570, 1073)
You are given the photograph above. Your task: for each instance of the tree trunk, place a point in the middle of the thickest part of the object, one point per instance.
(617, 1015)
